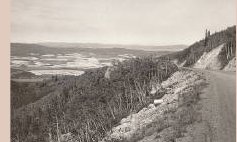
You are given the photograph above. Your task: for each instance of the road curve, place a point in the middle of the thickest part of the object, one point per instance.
(219, 105)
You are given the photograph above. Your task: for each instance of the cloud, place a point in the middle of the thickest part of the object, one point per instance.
(116, 21)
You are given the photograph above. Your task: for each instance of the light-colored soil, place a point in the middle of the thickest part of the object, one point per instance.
(231, 66)
(209, 60)
(166, 121)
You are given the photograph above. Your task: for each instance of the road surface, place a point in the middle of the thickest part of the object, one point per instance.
(218, 106)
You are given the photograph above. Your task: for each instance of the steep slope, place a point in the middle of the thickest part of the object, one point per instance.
(231, 65)
(199, 51)
(167, 121)
(210, 60)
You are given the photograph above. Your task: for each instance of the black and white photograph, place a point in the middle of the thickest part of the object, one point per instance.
(123, 71)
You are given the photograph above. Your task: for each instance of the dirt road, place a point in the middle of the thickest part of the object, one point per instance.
(218, 106)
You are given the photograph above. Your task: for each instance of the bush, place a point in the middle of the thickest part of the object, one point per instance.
(90, 105)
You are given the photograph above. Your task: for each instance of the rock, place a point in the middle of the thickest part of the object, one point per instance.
(108, 72)
(155, 88)
(158, 101)
(68, 138)
(231, 65)
(125, 120)
(151, 106)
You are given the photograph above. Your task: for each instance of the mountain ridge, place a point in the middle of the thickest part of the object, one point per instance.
(174, 47)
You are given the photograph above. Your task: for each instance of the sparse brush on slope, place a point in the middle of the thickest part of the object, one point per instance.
(168, 121)
(193, 53)
(88, 107)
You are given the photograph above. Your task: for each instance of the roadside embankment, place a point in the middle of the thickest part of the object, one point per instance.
(168, 120)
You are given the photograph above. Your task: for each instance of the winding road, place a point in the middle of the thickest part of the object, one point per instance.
(218, 105)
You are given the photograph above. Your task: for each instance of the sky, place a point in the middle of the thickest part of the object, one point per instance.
(144, 22)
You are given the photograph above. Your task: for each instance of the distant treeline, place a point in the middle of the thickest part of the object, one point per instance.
(88, 106)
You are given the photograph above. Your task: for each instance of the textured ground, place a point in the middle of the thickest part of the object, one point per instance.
(218, 107)
(209, 60)
(210, 119)
(164, 122)
(231, 66)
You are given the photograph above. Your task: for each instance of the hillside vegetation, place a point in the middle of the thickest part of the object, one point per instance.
(189, 56)
(168, 121)
(88, 106)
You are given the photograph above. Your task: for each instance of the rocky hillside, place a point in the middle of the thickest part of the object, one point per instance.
(215, 51)
(231, 65)
(165, 121)
(210, 60)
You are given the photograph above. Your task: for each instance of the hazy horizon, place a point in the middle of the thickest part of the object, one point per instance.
(99, 43)
(127, 22)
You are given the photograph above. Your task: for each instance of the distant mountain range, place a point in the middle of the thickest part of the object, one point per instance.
(24, 49)
(177, 47)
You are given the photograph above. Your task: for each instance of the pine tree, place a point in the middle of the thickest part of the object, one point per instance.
(205, 40)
